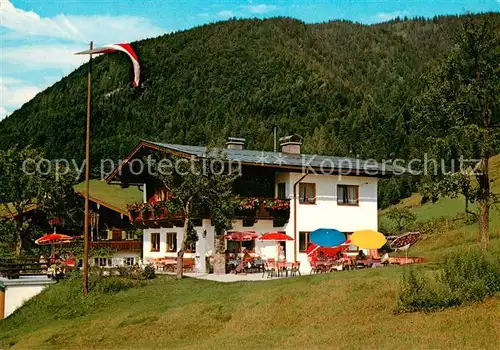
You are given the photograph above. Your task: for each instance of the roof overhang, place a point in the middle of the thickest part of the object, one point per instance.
(104, 204)
(293, 168)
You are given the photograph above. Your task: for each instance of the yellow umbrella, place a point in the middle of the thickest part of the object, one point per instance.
(368, 239)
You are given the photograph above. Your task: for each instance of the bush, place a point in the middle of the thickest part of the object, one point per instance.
(110, 284)
(471, 275)
(438, 225)
(465, 277)
(418, 293)
(149, 272)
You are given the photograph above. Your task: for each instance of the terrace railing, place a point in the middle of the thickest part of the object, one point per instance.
(13, 268)
(248, 208)
(124, 245)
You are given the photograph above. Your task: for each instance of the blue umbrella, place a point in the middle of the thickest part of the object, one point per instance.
(327, 237)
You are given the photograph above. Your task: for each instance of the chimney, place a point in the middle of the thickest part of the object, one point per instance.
(291, 144)
(235, 143)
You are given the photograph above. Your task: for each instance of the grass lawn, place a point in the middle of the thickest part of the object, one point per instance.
(352, 309)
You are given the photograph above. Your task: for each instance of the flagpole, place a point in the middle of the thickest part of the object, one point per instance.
(87, 176)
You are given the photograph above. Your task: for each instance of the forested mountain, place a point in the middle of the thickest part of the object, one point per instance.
(346, 88)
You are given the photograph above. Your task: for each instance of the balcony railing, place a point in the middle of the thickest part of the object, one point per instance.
(124, 245)
(248, 208)
(264, 208)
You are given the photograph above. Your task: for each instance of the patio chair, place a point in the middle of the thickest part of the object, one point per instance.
(295, 269)
(314, 267)
(270, 269)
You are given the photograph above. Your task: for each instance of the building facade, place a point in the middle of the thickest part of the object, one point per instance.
(289, 192)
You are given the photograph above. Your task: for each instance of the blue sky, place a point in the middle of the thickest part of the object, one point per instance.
(39, 37)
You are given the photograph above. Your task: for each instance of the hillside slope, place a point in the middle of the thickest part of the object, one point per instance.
(447, 207)
(345, 87)
(348, 310)
(454, 234)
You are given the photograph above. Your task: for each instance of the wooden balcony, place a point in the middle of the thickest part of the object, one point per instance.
(124, 245)
(249, 209)
(264, 208)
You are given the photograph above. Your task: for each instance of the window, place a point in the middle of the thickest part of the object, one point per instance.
(303, 241)
(129, 261)
(171, 241)
(162, 195)
(104, 235)
(155, 242)
(130, 235)
(307, 193)
(233, 246)
(282, 190)
(248, 245)
(102, 262)
(347, 195)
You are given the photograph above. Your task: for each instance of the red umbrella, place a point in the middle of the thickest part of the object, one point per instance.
(333, 251)
(404, 241)
(53, 238)
(275, 236)
(241, 236)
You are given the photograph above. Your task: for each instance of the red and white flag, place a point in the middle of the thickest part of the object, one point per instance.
(118, 47)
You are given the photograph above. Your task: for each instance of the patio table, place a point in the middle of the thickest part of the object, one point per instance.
(284, 266)
(258, 264)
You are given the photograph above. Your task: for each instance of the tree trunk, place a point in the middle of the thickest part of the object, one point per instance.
(19, 234)
(484, 202)
(18, 244)
(180, 264)
(484, 222)
(180, 253)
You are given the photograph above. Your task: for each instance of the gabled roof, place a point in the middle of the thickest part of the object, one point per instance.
(112, 197)
(296, 162)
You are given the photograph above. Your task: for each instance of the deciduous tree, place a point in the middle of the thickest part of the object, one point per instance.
(458, 118)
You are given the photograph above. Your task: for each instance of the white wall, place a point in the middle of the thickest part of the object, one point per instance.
(17, 292)
(326, 213)
(204, 245)
(117, 258)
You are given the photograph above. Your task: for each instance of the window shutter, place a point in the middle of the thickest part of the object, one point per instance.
(110, 234)
(124, 235)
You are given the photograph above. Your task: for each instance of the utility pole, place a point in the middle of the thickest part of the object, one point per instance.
(87, 176)
(275, 129)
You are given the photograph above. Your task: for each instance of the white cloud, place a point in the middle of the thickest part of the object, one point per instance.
(42, 45)
(260, 9)
(3, 113)
(38, 57)
(205, 15)
(225, 14)
(386, 16)
(14, 93)
(76, 28)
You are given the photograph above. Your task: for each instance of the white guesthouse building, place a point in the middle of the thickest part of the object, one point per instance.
(312, 191)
